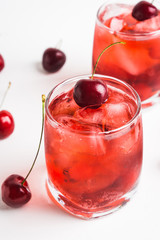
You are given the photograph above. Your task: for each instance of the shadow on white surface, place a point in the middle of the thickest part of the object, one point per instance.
(38, 66)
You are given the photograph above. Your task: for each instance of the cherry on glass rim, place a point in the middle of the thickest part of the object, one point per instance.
(88, 93)
(53, 59)
(15, 190)
(144, 10)
(92, 93)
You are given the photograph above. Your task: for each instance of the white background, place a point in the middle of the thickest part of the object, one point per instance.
(27, 28)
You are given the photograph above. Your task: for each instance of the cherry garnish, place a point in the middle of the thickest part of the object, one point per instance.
(1, 63)
(91, 93)
(6, 124)
(144, 10)
(88, 93)
(14, 193)
(53, 59)
(15, 189)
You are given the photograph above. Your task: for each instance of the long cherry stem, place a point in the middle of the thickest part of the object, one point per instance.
(5, 94)
(43, 107)
(94, 70)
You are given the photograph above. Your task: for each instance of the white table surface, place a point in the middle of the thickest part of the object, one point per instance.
(27, 28)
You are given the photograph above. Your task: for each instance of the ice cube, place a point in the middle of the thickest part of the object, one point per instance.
(77, 124)
(79, 136)
(122, 23)
(63, 104)
(92, 116)
(113, 114)
(131, 57)
(118, 114)
(148, 25)
(129, 22)
(116, 24)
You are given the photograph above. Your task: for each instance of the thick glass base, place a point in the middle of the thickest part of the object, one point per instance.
(151, 101)
(84, 213)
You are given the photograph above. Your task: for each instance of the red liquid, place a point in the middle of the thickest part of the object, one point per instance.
(138, 61)
(93, 170)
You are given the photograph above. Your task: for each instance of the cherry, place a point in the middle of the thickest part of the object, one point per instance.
(1, 63)
(6, 120)
(90, 93)
(53, 59)
(14, 193)
(144, 10)
(6, 124)
(15, 189)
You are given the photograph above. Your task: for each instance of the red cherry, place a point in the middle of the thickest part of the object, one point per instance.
(90, 93)
(53, 59)
(144, 10)
(1, 63)
(14, 193)
(6, 124)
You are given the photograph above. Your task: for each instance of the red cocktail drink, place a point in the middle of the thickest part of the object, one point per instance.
(138, 61)
(93, 155)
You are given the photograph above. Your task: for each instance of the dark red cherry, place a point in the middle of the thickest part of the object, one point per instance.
(53, 59)
(14, 194)
(1, 62)
(6, 124)
(90, 93)
(144, 10)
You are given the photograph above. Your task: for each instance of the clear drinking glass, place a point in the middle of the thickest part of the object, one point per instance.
(93, 156)
(138, 61)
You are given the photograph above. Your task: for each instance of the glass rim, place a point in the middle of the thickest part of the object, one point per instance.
(123, 33)
(53, 122)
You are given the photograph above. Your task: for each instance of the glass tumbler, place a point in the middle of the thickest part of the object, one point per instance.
(138, 61)
(92, 169)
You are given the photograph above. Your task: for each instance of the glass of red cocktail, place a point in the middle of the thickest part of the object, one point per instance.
(93, 155)
(138, 61)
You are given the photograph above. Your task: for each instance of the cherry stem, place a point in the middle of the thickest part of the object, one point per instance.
(94, 70)
(5, 94)
(43, 106)
(59, 44)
